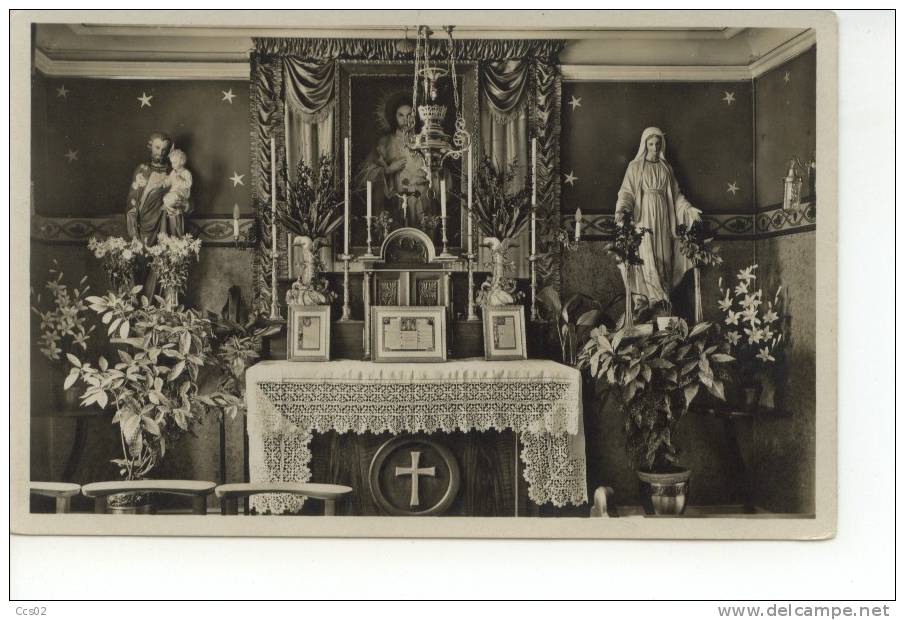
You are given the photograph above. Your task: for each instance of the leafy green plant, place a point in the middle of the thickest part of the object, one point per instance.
(695, 245)
(64, 322)
(170, 258)
(500, 209)
(154, 389)
(574, 319)
(312, 204)
(655, 379)
(121, 259)
(627, 240)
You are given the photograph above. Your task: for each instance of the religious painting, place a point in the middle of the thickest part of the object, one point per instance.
(308, 333)
(404, 192)
(504, 333)
(408, 333)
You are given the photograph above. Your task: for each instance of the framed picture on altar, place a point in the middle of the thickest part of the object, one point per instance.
(308, 333)
(408, 333)
(504, 333)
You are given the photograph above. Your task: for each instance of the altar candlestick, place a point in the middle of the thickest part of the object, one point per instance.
(578, 225)
(533, 195)
(346, 206)
(236, 222)
(469, 256)
(274, 307)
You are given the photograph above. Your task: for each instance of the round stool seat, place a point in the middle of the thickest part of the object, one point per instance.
(54, 489)
(329, 492)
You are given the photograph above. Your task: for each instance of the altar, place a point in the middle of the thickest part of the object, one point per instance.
(539, 400)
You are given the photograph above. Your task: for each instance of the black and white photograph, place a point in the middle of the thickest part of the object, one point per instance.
(398, 274)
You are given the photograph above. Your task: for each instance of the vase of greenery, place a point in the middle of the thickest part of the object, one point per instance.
(655, 378)
(696, 245)
(311, 212)
(753, 330)
(170, 258)
(501, 210)
(121, 260)
(153, 387)
(624, 248)
(64, 331)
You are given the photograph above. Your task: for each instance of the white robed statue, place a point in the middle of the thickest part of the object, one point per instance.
(650, 194)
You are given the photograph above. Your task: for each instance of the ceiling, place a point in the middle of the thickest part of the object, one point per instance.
(68, 45)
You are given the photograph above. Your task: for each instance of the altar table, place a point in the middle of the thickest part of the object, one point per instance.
(539, 399)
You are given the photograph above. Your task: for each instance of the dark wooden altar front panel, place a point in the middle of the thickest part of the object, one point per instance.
(491, 474)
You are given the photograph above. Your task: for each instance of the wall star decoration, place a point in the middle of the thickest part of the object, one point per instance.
(729, 98)
(571, 178)
(786, 77)
(732, 188)
(62, 91)
(228, 96)
(575, 102)
(145, 99)
(71, 155)
(236, 178)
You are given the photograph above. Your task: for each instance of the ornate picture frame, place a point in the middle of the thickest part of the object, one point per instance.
(408, 333)
(308, 333)
(504, 333)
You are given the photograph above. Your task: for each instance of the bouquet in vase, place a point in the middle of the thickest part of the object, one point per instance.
(121, 259)
(170, 258)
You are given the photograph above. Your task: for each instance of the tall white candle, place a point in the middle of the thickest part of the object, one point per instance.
(236, 222)
(442, 197)
(533, 196)
(578, 225)
(346, 207)
(273, 199)
(469, 200)
(369, 203)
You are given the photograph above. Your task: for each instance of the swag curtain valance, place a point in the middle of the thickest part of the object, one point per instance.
(294, 96)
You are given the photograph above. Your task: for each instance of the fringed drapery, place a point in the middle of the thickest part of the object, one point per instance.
(467, 50)
(504, 85)
(310, 100)
(546, 127)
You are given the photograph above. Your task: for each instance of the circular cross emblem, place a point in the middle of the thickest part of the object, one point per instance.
(414, 476)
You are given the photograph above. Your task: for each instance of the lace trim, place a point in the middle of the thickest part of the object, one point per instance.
(544, 411)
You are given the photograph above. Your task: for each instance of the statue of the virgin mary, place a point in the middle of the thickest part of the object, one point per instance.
(650, 195)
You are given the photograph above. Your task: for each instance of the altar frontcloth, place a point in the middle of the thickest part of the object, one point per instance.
(539, 399)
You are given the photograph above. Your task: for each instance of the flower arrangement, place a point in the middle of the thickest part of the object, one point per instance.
(753, 326)
(695, 245)
(170, 258)
(155, 390)
(627, 241)
(312, 205)
(64, 325)
(499, 211)
(656, 378)
(121, 259)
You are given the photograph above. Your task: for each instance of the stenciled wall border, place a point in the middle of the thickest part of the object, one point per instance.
(768, 223)
(77, 230)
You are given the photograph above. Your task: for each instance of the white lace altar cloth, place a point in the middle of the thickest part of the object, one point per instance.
(539, 399)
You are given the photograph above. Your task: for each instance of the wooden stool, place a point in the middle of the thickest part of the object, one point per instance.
(196, 489)
(62, 492)
(229, 494)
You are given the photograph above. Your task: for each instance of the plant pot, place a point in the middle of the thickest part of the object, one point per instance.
(130, 504)
(666, 322)
(663, 493)
(63, 399)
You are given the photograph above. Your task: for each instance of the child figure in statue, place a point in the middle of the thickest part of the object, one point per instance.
(176, 201)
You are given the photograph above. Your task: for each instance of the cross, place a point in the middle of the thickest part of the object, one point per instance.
(414, 471)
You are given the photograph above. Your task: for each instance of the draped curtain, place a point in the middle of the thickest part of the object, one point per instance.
(293, 101)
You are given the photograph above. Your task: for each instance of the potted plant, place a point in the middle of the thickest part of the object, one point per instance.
(501, 211)
(154, 387)
(655, 378)
(121, 259)
(753, 331)
(170, 258)
(64, 330)
(574, 319)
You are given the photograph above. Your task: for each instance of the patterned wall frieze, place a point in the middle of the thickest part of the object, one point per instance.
(76, 230)
(729, 225)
